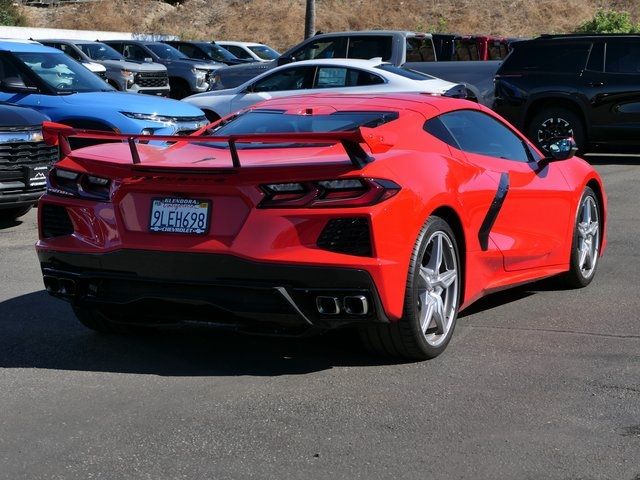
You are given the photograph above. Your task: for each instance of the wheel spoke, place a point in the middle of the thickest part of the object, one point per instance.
(425, 275)
(435, 261)
(438, 314)
(445, 279)
(584, 251)
(426, 314)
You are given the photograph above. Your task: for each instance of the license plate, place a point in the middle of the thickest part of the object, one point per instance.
(180, 215)
(37, 176)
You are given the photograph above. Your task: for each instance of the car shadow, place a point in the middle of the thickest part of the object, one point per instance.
(39, 331)
(9, 223)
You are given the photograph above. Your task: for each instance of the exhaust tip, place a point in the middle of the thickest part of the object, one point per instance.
(356, 305)
(328, 305)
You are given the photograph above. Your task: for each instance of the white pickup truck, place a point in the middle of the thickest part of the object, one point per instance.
(408, 49)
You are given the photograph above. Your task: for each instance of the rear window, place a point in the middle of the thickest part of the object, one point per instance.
(420, 50)
(277, 121)
(370, 47)
(547, 57)
(405, 72)
(623, 57)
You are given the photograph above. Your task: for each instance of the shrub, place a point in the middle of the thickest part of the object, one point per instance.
(609, 21)
(9, 14)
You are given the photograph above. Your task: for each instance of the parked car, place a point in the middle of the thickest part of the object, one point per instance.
(408, 49)
(388, 213)
(313, 76)
(584, 86)
(44, 78)
(122, 74)
(186, 76)
(255, 52)
(24, 160)
(207, 51)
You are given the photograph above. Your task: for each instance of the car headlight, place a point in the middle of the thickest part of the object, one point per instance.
(150, 117)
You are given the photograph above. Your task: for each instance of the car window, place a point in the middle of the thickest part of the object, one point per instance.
(239, 52)
(70, 51)
(289, 79)
(324, 48)
(596, 58)
(623, 57)
(477, 132)
(405, 72)
(466, 50)
(10, 73)
(165, 52)
(99, 51)
(134, 52)
(336, 77)
(497, 50)
(190, 51)
(556, 57)
(420, 50)
(370, 47)
(264, 52)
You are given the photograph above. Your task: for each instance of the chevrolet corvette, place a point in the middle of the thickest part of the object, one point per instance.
(386, 213)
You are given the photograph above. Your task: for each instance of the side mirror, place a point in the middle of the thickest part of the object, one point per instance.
(562, 149)
(16, 85)
(285, 59)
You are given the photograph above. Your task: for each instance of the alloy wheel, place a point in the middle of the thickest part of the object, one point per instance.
(588, 236)
(553, 129)
(437, 288)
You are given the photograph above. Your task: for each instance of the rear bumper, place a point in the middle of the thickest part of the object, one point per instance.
(174, 288)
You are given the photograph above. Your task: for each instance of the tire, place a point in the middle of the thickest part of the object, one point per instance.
(407, 338)
(13, 213)
(585, 246)
(100, 321)
(554, 123)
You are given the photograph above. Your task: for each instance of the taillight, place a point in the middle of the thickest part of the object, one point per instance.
(345, 192)
(74, 184)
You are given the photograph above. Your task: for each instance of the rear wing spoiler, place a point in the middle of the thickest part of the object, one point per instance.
(352, 140)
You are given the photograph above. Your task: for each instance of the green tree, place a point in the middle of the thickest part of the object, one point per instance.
(9, 14)
(609, 21)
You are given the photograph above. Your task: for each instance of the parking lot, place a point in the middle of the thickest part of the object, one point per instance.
(537, 383)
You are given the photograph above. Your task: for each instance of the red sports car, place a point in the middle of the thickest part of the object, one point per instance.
(389, 213)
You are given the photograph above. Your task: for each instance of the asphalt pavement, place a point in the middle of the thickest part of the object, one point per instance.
(537, 383)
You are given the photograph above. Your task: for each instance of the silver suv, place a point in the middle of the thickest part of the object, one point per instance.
(126, 75)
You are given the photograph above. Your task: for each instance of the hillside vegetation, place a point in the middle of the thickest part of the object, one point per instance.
(280, 23)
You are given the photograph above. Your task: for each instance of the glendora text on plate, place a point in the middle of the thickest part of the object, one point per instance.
(180, 215)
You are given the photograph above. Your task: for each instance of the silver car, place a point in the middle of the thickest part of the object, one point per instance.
(328, 75)
(125, 75)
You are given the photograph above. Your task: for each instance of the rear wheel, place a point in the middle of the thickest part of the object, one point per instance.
(13, 213)
(585, 247)
(431, 300)
(553, 123)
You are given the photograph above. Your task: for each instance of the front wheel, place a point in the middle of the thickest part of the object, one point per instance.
(585, 247)
(554, 123)
(431, 299)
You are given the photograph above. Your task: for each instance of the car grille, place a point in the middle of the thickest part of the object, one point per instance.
(152, 79)
(26, 153)
(55, 221)
(347, 235)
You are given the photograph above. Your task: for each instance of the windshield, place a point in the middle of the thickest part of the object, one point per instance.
(165, 52)
(99, 51)
(276, 121)
(405, 72)
(61, 73)
(218, 53)
(264, 52)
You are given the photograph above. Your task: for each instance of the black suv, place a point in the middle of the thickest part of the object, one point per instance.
(24, 160)
(585, 86)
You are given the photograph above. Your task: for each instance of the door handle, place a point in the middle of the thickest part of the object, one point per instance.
(595, 84)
